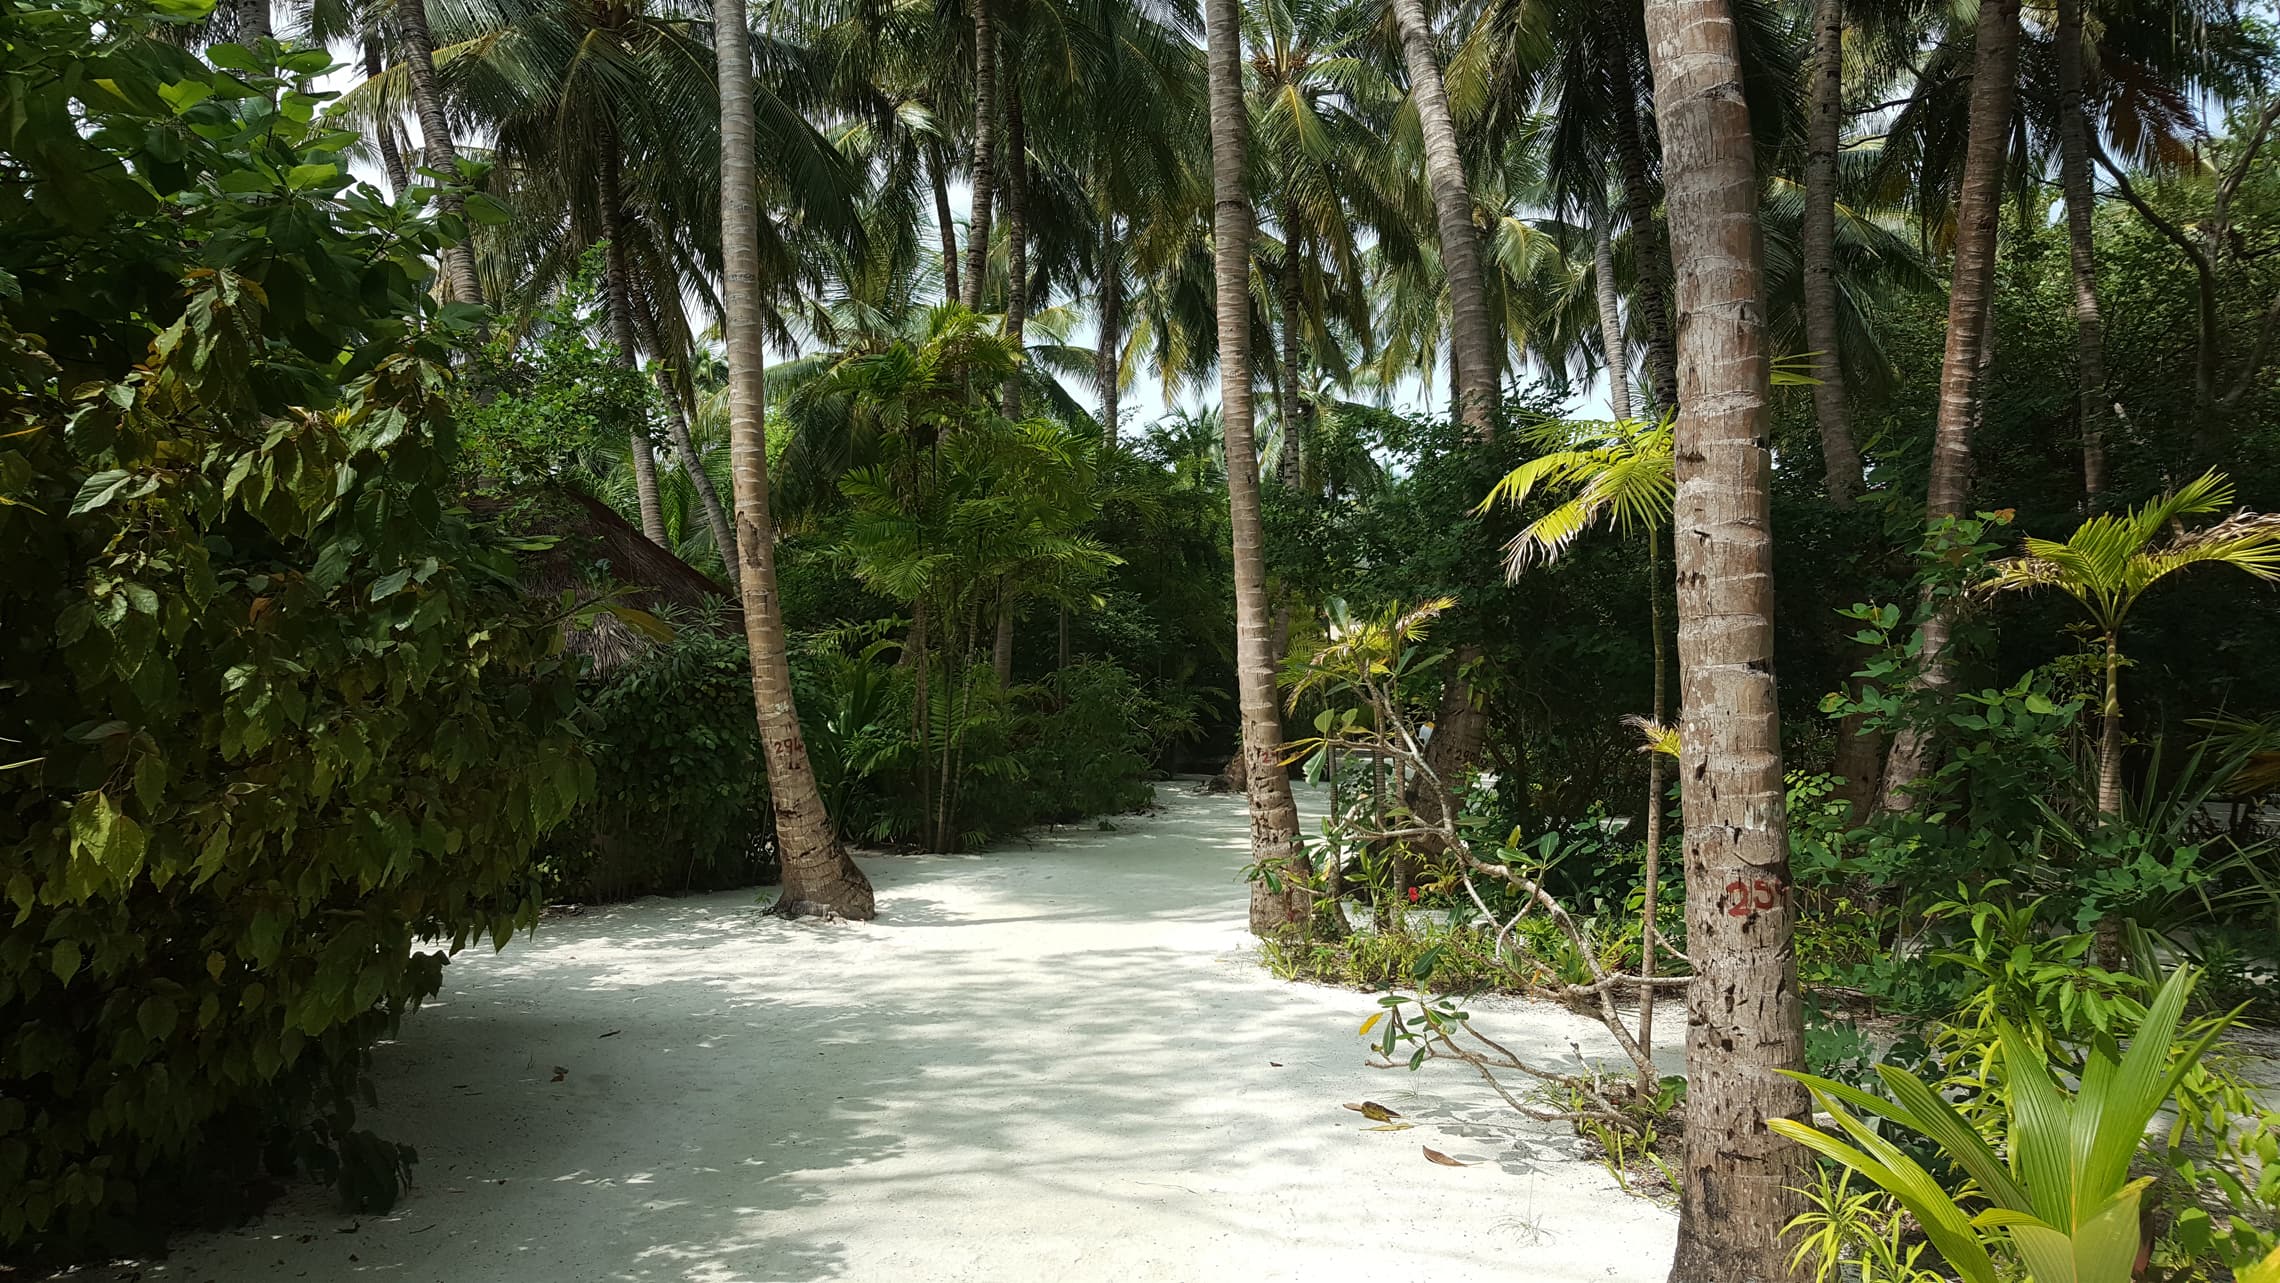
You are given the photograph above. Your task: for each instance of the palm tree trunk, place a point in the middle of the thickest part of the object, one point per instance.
(1840, 456)
(1274, 815)
(384, 130)
(1745, 1022)
(684, 445)
(1649, 881)
(937, 172)
(1286, 393)
(435, 140)
(2082, 256)
(1001, 647)
(819, 879)
(249, 20)
(985, 151)
(1979, 217)
(617, 286)
(1016, 240)
(1649, 250)
(1610, 322)
(2110, 733)
(1108, 348)
(1477, 366)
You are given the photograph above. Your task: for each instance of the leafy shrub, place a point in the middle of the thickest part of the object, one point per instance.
(1083, 743)
(273, 714)
(681, 788)
(1458, 958)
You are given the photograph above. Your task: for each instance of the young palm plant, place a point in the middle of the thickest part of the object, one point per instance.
(1624, 476)
(2112, 559)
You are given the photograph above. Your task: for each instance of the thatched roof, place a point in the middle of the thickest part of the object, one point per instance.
(592, 540)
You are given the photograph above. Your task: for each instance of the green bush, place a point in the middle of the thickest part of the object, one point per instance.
(272, 713)
(681, 794)
(1083, 744)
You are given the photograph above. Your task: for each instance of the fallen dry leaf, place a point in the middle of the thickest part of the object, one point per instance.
(559, 1074)
(1374, 1111)
(1433, 1155)
(1390, 1127)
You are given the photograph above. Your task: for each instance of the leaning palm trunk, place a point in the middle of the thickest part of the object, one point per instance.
(1016, 240)
(677, 423)
(985, 153)
(945, 223)
(1649, 252)
(617, 286)
(1840, 457)
(435, 140)
(819, 879)
(1610, 322)
(384, 128)
(1279, 901)
(1108, 368)
(2082, 257)
(1745, 1023)
(1477, 366)
(1979, 211)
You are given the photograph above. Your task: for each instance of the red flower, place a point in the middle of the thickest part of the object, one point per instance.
(1413, 895)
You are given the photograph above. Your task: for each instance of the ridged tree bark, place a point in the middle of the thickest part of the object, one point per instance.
(1971, 301)
(384, 130)
(985, 152)
(1108, 345)
(1744, 1022)
(248, 20)
(2094, 401)
(435, 139)
(684, 445)
(1840, 455)
(1648, 250)
(1016, 244)
(617, 287)
(937, 172)
(1610, 321)
(1478, 393)
(819, 879)
(1274, 815)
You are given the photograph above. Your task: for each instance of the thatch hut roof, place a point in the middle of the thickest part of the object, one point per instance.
(592, 542)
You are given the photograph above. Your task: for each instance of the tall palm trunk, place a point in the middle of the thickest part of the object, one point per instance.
(2082, 256)
(1648, 250)
(435, 140)
(1274, 815)
(985, 152)
(1477, 367)
(819, 879)
(1744, 1020)
(249, 20)
(1979, 217)
(617, 286)
(1286, 391)
(937, 172)
(1840, 456)
(1610, 321)
(1016, 240)
(677, 422)
(1108, 347)
(384, 130)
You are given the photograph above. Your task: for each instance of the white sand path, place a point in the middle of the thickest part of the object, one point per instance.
(1058, 1061)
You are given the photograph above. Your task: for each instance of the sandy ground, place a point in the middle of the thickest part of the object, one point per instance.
(1054, 1062)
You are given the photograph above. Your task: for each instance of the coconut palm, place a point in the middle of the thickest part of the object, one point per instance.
(818, 877)
(2112, 559)
(1478, 397)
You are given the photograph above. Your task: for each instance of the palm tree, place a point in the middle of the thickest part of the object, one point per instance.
(435, 139)
(1843, 479)
(2112, 559)
(1745, 1022)
(1278, 902)
(1478, 370)
(819, 879)
(1624, 473)
(1979, 212)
